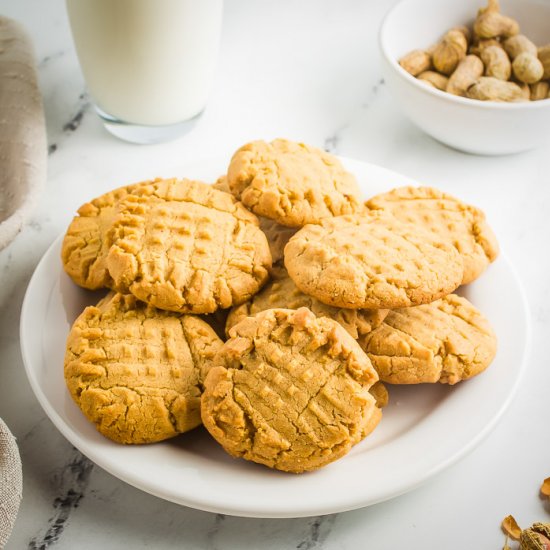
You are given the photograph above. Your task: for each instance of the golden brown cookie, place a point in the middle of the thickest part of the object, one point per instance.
(183, 246)
(283, 293)
(446, 341)
(380, 393)
(372, 421)
(292, 183)
(291, 391)
(87, 240)
(464, 225)
(381, 396)
(221, 184)
(277, 236)
(372, 260)
(135, 371)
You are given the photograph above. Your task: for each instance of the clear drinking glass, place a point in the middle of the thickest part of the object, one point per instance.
(148, 64)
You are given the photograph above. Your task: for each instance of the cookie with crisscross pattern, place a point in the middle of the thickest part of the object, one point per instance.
(291, 391)
(87, 240)
(184, 246)
(372, 260)
(292, 183)
(135, 371)
(446, 341)
(442, 214)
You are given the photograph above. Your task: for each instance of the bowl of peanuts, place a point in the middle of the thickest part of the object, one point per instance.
(475, 74)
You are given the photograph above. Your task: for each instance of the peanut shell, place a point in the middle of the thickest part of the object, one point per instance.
(527, 68)
(519, 44)
(488, 88)
(467, 72)
(492, 24)
(450, 51)
(435, 79)
(496, 63)
(544, 58)
(539, 90)
(416, 62)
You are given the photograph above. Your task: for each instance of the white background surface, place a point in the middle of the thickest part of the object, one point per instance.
(305, 70)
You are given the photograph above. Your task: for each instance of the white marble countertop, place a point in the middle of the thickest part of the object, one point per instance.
(309, 71)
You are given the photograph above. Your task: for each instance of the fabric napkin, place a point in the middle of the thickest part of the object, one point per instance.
(11, 482)
(23, 144)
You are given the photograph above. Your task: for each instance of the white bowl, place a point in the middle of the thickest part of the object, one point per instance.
(482, 127)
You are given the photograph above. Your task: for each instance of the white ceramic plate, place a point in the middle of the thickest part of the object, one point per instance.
(424, 429)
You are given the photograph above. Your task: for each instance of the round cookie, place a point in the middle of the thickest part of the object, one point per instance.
(464, 225)
(446, 341)
(283, 293)
(292, 183)
(136, 372)
(373, 261)
(87, 240)
(184, 246)
(290, 391)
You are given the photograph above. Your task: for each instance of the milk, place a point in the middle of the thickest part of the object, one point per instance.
(148, 62)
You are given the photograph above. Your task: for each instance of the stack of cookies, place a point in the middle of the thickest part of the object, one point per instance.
(323, 296)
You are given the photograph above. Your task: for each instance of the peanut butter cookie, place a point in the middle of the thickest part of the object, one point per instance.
(292, 183)
(372, 260)
(380, 393)
(135, 371)
(464, 225)
(184, 246)
(221, 184)
(283, 293)
(291, 391)
(87, 240)
(277, 236)
(381, 397)
(446, 341)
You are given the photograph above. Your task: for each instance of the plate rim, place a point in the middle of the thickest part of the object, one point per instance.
(355, 501)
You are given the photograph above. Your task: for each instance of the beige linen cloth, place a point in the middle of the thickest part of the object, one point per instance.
(11, 482)
(22, 130)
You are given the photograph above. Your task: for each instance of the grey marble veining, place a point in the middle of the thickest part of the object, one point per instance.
(69, 487)
(44, 62)
(332, 143)
(82, 108)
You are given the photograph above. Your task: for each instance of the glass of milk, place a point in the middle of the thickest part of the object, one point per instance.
(148, 64)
